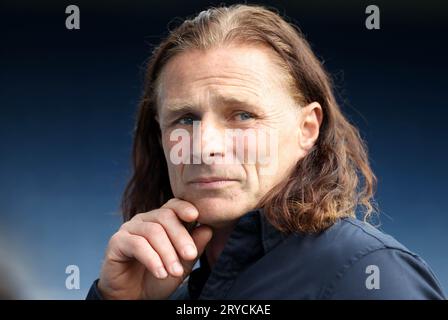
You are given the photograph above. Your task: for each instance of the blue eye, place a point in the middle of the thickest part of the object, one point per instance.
(244, 116)
(186, 121)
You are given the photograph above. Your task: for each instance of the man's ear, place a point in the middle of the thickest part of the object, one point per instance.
(310, 120)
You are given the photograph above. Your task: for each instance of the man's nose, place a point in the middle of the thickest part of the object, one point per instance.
(212, 140)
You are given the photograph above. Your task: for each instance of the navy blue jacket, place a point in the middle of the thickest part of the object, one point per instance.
(349, 260)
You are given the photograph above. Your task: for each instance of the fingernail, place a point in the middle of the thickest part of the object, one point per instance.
(190, 251)
(161, 273)
(177, 268)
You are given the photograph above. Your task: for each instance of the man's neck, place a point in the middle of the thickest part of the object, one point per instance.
(217, 243)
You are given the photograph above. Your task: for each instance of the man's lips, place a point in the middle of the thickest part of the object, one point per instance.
(211, 182)
(210, 179)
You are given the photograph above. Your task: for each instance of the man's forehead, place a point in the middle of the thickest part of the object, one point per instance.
(242, 64)
(235, 76)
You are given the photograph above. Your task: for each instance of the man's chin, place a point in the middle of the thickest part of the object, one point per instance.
(218, 213)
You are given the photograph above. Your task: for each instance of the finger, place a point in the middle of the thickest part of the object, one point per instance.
(155, 234)
(183, 209)
(136, 247)
(178, 234)
(201, 237)
(176, 230)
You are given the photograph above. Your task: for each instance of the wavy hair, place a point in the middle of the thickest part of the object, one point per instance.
(329, 183)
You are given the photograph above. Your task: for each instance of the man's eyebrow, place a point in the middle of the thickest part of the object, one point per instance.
(242, 104)
(178, 108)
(236, 102)
(174, 109)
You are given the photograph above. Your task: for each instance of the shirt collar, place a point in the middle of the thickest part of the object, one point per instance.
(252, 237)
(271, 237)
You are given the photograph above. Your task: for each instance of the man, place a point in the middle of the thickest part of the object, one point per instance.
(280, 227)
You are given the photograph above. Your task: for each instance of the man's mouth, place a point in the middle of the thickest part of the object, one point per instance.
(211, 182)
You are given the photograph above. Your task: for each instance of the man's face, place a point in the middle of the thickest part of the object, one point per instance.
(209, 94)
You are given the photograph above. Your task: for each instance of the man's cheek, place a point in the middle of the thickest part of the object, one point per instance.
(176, 181)
(167, 146)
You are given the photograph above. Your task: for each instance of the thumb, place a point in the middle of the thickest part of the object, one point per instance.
(201, 236)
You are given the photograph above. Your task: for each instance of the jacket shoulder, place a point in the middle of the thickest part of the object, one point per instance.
(359, 235)
(340, 257)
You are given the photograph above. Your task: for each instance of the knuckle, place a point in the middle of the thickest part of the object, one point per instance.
(115, 239)
(153, 229)
(138, 243)
(171, 201)
(125, 225)
(144, 216)
(165, 215)
(139, 216)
